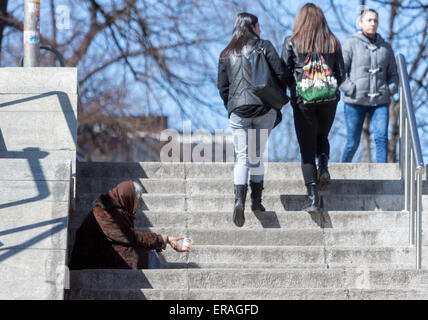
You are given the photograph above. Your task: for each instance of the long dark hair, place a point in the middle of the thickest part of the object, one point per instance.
(311, 32)
(242, 32)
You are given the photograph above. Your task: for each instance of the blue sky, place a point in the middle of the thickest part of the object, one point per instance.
(276, 20)
(349, 10)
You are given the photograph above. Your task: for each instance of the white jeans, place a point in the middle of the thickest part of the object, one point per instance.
(250, 136)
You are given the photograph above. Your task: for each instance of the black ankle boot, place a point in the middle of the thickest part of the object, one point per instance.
(239, 207)
(314, 200)
(256, 197)
(324, 180)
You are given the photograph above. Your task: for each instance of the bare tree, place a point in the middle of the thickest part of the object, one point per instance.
(3, 12)
(158, 54)
(137, 58)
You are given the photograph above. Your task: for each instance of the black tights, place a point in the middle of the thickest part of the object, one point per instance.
(313, 123)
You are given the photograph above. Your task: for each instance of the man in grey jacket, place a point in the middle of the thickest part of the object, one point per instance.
(371, 81)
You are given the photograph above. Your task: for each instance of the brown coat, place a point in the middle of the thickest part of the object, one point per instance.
(107, 239)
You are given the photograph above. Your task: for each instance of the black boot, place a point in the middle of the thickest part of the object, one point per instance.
(239, 207)
(314, 200)
(256, 197)
(324, 180)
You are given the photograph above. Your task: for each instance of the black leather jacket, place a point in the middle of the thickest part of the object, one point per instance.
(295, 61)
(234, 75)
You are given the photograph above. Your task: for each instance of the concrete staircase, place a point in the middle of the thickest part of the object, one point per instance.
(357, 248)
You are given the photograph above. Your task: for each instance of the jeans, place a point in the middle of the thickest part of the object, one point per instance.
(313, 123)
(354, 116)
(250, 136)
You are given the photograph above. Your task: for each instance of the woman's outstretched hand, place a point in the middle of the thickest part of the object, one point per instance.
(173, 242)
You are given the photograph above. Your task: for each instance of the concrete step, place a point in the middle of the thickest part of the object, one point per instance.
(248, 294)
(287, 186)
(343, 220)
(162, 202)
(211, 256)
(285, 237)
(286, 202)
(130, 170)
(199, 186)
(158, 186)
(273, 170)
(280, 202)
(362, 278)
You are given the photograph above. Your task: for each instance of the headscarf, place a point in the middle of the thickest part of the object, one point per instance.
(124, 195)
(115, 213)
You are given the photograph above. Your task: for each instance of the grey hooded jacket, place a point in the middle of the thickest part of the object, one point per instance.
(371, 69)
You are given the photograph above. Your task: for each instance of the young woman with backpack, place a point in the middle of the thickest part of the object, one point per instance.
(315, 70)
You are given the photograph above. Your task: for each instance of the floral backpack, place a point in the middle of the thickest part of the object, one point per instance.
(318, 83)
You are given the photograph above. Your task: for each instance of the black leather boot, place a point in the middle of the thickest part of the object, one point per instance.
(313, 205)
(256, 197)
(239, 207)
(324, 180)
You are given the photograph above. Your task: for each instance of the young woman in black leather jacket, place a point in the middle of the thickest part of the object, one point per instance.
(249, 117)
(313, 120)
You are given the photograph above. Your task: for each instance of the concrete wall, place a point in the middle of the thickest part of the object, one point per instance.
(34, 206)
(38, 113)
(38, 132)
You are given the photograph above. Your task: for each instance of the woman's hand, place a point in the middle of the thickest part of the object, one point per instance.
(173, 242)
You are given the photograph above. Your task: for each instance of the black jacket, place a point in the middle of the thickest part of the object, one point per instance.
(295, 61)
(234, 75)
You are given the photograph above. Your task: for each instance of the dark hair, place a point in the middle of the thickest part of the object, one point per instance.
(242, 32)
(364, 11)
(311, 32)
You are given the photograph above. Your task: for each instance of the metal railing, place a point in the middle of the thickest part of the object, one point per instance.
(411, 161)
(47, 47)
